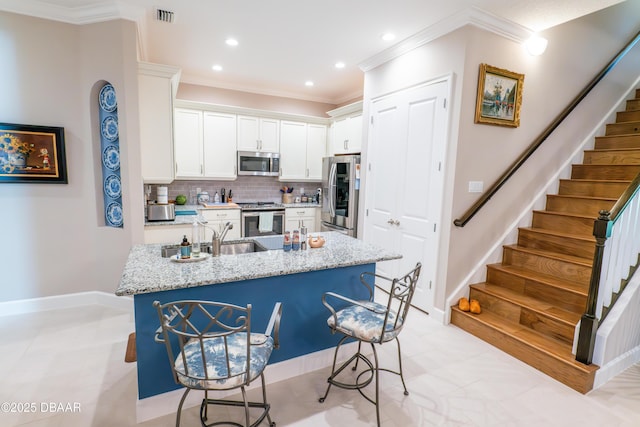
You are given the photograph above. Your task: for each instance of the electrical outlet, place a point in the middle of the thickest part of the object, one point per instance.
(476, 186)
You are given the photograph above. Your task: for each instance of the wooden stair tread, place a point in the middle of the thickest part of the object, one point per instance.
(552, 281)
(598, 181)
(541, 307)
(610, 150)
(555, 349)
(555, 255)
(571, 196)
(560, 213)
(555, 233)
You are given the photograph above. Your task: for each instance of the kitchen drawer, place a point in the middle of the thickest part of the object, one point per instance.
(221, 214)
(300, 212)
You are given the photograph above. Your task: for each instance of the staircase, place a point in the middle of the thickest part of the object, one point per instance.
(532, 301)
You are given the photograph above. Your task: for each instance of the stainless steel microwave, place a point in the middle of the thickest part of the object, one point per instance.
(258, 163)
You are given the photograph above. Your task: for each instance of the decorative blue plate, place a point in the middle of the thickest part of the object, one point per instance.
(109, 128)
(111, 157)
(112, 186)
(114, 214)
(108, 98)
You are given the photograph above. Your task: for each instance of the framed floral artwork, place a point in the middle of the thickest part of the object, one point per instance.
(499, 96)
(32, 154)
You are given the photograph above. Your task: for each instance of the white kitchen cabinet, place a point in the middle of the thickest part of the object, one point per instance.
(219, 145)
(157, 85)
(296, 217)
(216, 218)
(205, 144)
(347, 135)
(188, 143)
(167, 234)
(258, 134)
(302, 147)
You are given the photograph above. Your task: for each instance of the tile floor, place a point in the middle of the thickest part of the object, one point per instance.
(76, 356)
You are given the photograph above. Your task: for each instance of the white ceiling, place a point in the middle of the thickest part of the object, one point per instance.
(283, 43)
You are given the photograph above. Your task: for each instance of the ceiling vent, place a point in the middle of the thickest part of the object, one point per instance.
(164, 15)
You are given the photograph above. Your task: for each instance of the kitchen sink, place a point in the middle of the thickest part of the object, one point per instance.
(227, 248)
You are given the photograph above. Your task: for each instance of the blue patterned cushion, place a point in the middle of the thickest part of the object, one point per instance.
(364, 324)
(219, 378)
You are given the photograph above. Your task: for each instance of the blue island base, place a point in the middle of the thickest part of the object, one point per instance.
(303, 329)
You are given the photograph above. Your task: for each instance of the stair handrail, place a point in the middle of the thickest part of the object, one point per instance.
(475, 208)
(603, 229)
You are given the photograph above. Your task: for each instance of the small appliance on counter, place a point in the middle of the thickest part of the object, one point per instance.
(158, 212)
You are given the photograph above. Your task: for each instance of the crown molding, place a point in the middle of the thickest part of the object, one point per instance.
(89, 14)
(472, 16)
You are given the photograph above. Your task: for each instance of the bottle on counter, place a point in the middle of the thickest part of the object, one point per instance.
(216, 198)
(185, 248)
(195, 239)
(286, 241)
(295, 241)
(303, 237)
(222, 197)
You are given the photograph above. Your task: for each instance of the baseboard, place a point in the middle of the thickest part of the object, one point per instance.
(616, 367)
(58, 302)
(167, 403)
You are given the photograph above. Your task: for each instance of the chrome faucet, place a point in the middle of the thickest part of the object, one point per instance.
(218, 238)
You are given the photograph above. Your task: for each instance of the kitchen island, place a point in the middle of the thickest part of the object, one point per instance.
(296, 278)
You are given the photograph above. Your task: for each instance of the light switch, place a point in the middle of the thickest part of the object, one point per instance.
(476, 186)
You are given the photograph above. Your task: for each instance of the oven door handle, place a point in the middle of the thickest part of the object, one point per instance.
(252, 214)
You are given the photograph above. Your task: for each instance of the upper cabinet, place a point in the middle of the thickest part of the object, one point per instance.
(205, 144)
(346, 129)
(258, 134)
(157, 86)
(302, 147)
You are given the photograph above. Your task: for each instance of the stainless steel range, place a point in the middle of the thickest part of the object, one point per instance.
(262, 218)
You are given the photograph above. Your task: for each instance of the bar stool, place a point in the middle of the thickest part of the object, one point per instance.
(373, 323)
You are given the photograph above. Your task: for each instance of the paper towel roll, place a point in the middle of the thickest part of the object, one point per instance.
(163, 195)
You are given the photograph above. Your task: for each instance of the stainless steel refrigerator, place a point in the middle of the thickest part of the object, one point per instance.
(340, 191)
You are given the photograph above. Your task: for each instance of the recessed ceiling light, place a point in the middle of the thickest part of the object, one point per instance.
(388, 37)
(217, 67)
(308, 83)
(231, 42)
(339, 64)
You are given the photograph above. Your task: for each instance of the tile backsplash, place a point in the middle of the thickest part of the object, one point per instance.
(245, 188)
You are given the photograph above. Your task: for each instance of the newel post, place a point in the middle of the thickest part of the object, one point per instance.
(589, 322)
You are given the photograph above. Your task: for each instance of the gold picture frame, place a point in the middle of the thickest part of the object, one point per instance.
(499, 96)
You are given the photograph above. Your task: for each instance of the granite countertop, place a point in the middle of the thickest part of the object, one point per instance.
(146, 271)
(302, 205)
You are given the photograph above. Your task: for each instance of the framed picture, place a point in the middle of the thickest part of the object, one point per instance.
(499, 96)
(32, 154)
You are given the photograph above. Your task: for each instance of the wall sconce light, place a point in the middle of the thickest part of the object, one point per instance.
(536, 45)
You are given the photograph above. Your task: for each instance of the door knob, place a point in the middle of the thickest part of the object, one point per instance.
(396, 222)
(390, 222)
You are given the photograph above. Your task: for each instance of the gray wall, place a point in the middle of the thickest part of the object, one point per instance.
(54, 238)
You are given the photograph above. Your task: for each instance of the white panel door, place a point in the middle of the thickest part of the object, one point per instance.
(385, 160)
(404, 186)
(248, 133)
(270, 135)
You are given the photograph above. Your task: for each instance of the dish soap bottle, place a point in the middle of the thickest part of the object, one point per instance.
(216, 198)
(185, 248)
